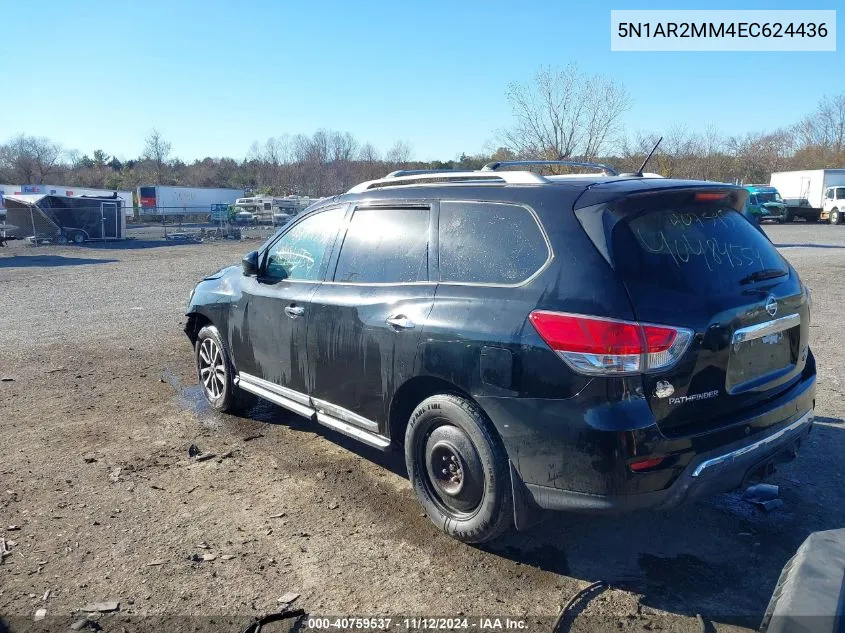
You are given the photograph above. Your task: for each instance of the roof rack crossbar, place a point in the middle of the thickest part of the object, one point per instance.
(424, 177)
(607, 169)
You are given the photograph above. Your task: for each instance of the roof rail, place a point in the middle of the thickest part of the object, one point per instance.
(414, 172)
(607, 169)
(425, 177)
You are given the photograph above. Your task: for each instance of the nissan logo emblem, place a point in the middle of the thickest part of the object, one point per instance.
(772, 306)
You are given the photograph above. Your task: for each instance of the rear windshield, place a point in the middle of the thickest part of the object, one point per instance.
(696, 251)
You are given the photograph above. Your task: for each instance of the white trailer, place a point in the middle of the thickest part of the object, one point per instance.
(161, 201)
(804, 191)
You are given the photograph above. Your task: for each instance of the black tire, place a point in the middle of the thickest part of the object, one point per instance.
(471, 500)
(217, 385)
(834, 216)
(787, 216)
(61, 239)
(77, 237)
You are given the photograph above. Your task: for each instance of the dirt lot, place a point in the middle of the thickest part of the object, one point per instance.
(101, 501)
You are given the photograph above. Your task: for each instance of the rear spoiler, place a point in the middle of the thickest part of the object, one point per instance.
(614, 190)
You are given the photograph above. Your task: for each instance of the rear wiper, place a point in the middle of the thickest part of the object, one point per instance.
(763, 275)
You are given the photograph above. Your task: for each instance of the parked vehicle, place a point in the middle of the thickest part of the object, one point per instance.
(765, 203)
(268, 209)
(810, 186)
(594, 344)
(63, 219)
(245, 217)
(833, 208)
(164, 201)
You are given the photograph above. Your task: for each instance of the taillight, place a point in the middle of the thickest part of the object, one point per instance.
(596, 345)
(708, 196)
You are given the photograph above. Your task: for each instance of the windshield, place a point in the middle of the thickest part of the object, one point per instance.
(769, 197)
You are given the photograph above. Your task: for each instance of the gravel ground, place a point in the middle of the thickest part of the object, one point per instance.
(98, 409)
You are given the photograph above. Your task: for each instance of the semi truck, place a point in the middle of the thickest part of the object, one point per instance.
(163, 201)
(811, 193)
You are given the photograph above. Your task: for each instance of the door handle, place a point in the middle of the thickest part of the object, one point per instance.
(294, 311)
(400, 321)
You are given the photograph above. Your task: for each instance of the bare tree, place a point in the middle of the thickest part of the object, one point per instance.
(564, 112)
(399, 154)
(822, 134)
(30, 159)
(157, 151)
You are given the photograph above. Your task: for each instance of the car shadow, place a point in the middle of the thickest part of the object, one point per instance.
(809, 245)
(133, 244)
(267, 412)
(44, 261)
(720, 557)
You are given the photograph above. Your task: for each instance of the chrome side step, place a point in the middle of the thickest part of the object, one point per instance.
(268, 391)
(373, 439)
(285, 398)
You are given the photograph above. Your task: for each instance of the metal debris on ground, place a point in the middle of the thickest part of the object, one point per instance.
(763, 496)
(255, 625)
(289, 597)
(193, 450)
(4, 551)
(579, 595)
(204, 457)
(209, 557)
(102, 607)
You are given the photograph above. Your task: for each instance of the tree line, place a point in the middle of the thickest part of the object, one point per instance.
(560, 113)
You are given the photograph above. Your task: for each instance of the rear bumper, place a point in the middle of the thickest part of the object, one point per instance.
(708, 473)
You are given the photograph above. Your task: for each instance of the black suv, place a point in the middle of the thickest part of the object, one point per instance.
(589, 343)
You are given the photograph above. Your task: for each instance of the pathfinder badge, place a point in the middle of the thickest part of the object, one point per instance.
(663, 389)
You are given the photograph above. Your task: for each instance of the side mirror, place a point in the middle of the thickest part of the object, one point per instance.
(250, 264)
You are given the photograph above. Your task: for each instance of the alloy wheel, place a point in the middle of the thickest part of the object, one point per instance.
(212, 369)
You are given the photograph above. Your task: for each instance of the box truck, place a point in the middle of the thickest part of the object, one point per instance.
(161, 201)
(811, 193)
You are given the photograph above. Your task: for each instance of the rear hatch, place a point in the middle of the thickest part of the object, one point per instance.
(688, 258)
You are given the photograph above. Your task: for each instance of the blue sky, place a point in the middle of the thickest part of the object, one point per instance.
(214, 76)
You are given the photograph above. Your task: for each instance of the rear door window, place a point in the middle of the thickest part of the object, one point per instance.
(490, 243)
(385, 246)
(700, 251)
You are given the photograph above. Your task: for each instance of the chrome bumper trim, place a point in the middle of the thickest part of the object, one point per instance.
(807, 418)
